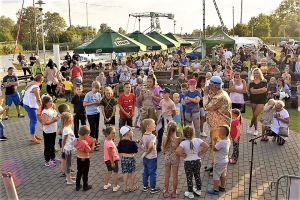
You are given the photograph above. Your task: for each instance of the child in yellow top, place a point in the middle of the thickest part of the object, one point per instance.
(68, 88)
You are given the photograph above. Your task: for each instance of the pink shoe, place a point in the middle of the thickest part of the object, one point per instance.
(137, 126)
(50, 164)
(56, 160)
(232, 161)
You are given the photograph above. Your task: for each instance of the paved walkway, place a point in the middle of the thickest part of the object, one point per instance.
(35, 181)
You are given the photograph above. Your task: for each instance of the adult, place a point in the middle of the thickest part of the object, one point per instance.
(258, 97)
(10, 82)
(282, 90)
(64, 68)
(223, 63)
(52, 76)
(20, 58)
(169, 62)
(37, 68)
(287, 62)
(112, 81)
(228, 54)
(281, 119)
(102, 80)
(159, 65)
(31, 102)
(68, 58)
(122, 67)
(76, 74)
(143, 76)
(32, 59)
(184, 64)
(264, 49)
(237, 88)
(150, 98)
(201, 86)
(207, 67)
(298, 97)
(281, 57)
(242, 55)
(237, 63)
(76, 57)
(297, 52)
(218, 106)
(297, 70)
(24, 65)
(273, 70)
(124, 77)
(146, 63)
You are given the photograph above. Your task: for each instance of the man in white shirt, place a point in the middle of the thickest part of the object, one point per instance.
(122, 67)
(228, 54)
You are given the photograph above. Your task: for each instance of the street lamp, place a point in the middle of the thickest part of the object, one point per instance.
(174, 25)
(40, 3)
(252, 30)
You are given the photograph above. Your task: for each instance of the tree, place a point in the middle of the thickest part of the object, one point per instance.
(7, 26)
(103, 27)
(122, 31)
(196, 33)
(54, 26)
(261, 26)
(5, 35)
(241, 30)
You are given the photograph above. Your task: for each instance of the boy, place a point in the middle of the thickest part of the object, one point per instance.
(148, 145)
(167, 113)
(83, 157)
(2, 110)
(175, 66)
(226, 83)
(126, 103)
(221, 150)
(79, 110)
(68, 88)
(138, 104)
(133, 82)
(178, 117)
(208, 76)
(184, 87)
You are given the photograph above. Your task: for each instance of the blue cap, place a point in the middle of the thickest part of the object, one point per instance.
(215, 80)
(166, 90)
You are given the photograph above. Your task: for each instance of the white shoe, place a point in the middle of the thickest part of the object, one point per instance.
(249, 130)
(115, 189)
(255, 133)
(203, 134)
(105, 187)
(171, 78)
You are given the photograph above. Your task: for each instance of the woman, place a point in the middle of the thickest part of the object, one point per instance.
(287, 62)
(196, 65)
(201, 86)
(37, 68)
(159, 65)
(237, 88)
(229, 62)
(52, 76)
(283, 91)
(242, 54)
(63, 69)
(258, 97)
(31, 102)
(113, 82)
(150, 99)
(76, 74)
(223, 63)
(281, 118)
(102, 80)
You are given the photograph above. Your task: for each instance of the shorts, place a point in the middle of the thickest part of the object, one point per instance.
(179, 127)
(111, 121)
(15, 97)
(266, 123)
(109, 167)
(76, 80)
(128, 164)
(139, 114)
(219, 170)
(63, 155)
(202, 112)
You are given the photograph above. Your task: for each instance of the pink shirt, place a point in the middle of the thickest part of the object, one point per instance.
(167, 106)
(110, 144)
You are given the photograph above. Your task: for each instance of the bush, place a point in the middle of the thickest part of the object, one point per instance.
(9, 48)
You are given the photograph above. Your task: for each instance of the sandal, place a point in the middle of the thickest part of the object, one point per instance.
(274, 139)
(134, 188)
(174, 194)
(166, 194)
(125, 191)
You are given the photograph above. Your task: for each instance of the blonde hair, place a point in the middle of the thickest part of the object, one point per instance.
(84, 130)
(175, 94)
(171, 130)
(273, 79)
(96, 85)
(147, 122)
(270, 101)
(109, 89)
(65, 117)
(279, 102)
(260, 74)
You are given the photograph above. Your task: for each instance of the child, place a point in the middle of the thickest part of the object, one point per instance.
(148, 145)
(226, 83)
(2, 110)
(208, 76)
(286, 77)
(128, 148)
(272, 88)
(175, 66)
(228, 72)
(172, 161)
(78, 108)
(195, 75)
(184, 88)
(68, 142)
(218, 72)
(133, 82)
(189, 150)
(221, 150)
(178, 117)
(111, 157)
(168, 111)
(108, 107)
(49, 122)
(91, 102)
(138, 104)
(180, 81)
(83, 157)
(68, 88)
(235, 133)
(62, 108)
(267, 117)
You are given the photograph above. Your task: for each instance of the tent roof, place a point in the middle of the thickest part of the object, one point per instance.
(164, 39)
(150, 42)
(219, 37)
(178, 39)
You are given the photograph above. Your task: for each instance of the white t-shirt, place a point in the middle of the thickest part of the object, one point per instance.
(51, 113)
(228, 54)
(144, 79)
(221, 156)
(70, 139)
(133, 82)
(196, 65)
(192, 154)
(216, 73)
(277, 124)
(147, 63)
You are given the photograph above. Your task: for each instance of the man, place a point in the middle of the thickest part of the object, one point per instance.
(270, 58)
(282, 56)
(10, 83)
(122, 67)
(32, 59)
(169, 62)
(124, 77)
(76, 56)
(218, 107)
(20, 58)
(237, 63)
(264, 49)
(228, 54)
(68, 58)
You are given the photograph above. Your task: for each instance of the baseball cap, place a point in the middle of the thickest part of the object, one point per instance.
(170, 56)
(215, 80)
(192, 82)
(166, 90)
(124, 130)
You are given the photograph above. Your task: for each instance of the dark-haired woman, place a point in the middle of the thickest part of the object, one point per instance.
(201, 86)
(237, 88)
(52, 76)
(287, 62)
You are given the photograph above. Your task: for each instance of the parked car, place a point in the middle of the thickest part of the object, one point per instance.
(196, 52)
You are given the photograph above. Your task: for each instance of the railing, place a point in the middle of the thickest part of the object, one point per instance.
(288, 187)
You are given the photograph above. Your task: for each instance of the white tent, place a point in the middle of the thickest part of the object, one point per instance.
(242, 41)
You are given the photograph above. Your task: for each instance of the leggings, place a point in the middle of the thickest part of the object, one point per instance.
(195, 119)
(68, 161)
(235, 152)
(51, 89)
(83, 167)
(94, 125)
(192, 168)
(49, 143)
(32, 118)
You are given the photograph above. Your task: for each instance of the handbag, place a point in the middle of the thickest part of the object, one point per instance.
(284, 131)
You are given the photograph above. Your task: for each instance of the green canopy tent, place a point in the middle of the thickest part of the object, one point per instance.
(109, 42)
(164, 39)
(178, 39)
(150, 43)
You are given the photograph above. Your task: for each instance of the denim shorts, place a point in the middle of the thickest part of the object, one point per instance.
(63, 155)
(15, 97)
(128, 164)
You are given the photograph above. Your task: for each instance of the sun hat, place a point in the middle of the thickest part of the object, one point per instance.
(215, 80)
(124, 130)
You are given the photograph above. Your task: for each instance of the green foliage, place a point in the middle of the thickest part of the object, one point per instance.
(122, 31)
(6, 48)
(103, 27)
(7, 26)
(241, 30)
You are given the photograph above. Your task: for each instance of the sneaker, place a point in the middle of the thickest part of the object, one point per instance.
(105, 187)
(197, 192)
(221, 189)
(249, 130)
(56, 160)
(35, 141)
(203, 134)
(255, 133)
(115, 189)
(87, 188)
(145, 189)
(78, 187)
(213, 191)
(6, 117)
(189, 195)
(171, 78)
(71, 183)
(3, 138)
(21, 115)
(49, 164)
(62, 174)
(155, 190)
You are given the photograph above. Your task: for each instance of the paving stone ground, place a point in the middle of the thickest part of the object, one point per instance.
(35, 181)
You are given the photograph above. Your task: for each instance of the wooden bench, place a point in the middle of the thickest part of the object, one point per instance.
(25, 79)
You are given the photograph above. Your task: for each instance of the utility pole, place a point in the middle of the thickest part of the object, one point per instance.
(232, 20)
(241, 21)
(69, 13)
(252, 30)
(174, 25)
(36, 36)
(204, 30)
(87, 22)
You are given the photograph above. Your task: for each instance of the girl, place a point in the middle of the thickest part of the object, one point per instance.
(266, 119)
(68, 142)
(283, 91)
(218, 72)
(111, 157)
(196, 65)
(108, 107)
(235, 133)
(287, 77)
(272, 87)
(201, 86)
(228, 71)
(172, 161)
(49, 122)
(189, 150)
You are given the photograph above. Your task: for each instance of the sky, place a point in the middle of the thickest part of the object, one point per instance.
(188, 13)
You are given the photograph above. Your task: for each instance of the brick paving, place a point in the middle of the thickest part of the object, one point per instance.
(40, 182)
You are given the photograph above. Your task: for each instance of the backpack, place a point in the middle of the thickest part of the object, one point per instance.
(294, 103)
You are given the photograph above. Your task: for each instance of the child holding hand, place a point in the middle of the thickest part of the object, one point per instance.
(266, 118)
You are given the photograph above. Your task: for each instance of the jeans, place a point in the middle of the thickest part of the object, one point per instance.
(297, 76)
(150, 167)
(68, 95)
(94, 125)
(192, 168)
(82, 119)
(124, 122)
(1, 129)
(32, 118)
(51, 89)
(49, 143)
(83, 167)
(195, 118)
